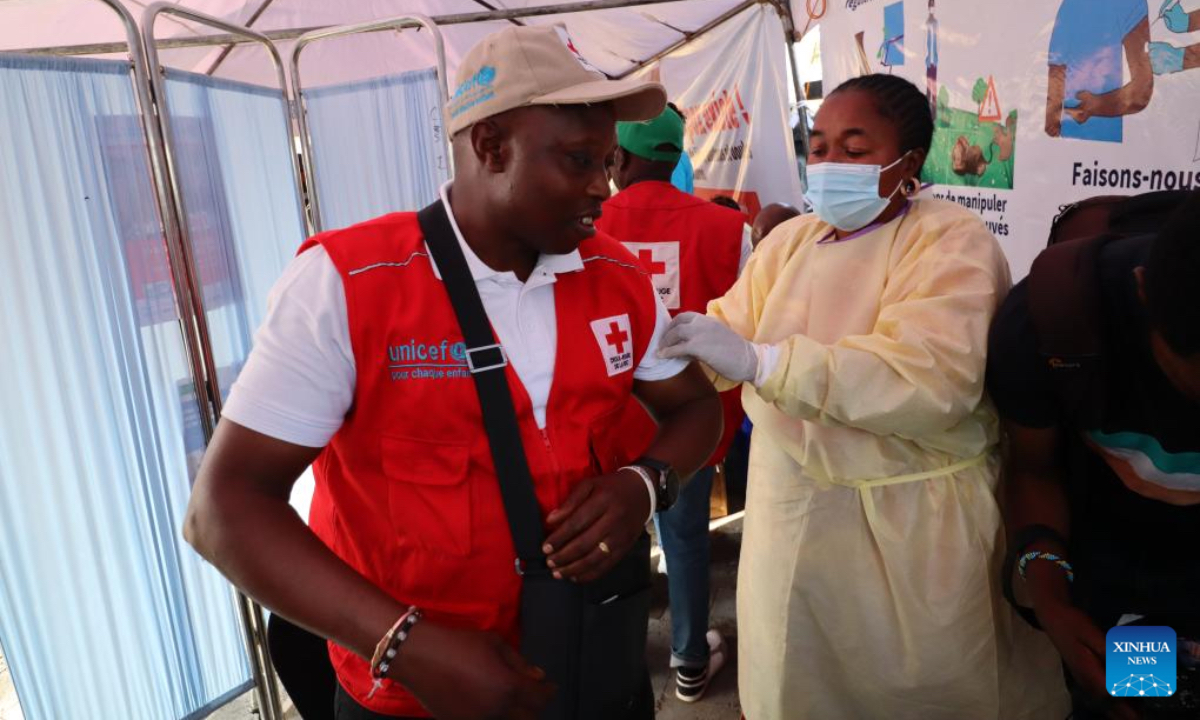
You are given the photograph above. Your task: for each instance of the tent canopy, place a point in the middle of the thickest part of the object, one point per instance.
(616, 39)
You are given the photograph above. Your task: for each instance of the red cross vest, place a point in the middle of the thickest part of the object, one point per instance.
(406, 492)
(692, 248)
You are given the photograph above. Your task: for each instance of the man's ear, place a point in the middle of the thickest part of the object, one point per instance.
(620, 166)
(489, 143)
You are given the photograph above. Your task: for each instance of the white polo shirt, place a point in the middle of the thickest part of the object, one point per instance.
(298, 383)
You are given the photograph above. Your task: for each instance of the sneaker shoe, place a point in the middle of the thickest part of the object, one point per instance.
(690, 683)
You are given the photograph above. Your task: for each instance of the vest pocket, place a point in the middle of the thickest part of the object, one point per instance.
(428, 496)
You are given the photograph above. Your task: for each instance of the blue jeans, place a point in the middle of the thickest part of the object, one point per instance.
(683, 532)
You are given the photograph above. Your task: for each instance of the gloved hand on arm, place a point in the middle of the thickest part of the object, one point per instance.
(712, 342)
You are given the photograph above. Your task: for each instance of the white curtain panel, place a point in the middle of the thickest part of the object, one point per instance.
(377, 145)
(104, 610)
(242, 207)
(233, 154)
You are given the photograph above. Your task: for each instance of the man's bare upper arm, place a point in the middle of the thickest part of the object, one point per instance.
(250, 460)
(662, 397)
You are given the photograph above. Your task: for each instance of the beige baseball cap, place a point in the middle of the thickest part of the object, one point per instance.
(539, 65)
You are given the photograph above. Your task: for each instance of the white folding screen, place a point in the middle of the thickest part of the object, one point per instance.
(104, 612)
(378, 146)
(242, 209)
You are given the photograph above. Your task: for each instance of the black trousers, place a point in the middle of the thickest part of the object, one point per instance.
(347, 709)
(302, 661)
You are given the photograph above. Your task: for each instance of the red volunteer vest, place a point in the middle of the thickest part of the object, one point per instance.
(406, 492)
(692, 248)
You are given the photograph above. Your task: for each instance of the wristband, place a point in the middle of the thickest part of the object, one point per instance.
(1051, 557)
(389, 646)
(642, 472)
(1025, 537)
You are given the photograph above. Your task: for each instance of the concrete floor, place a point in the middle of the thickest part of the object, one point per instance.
(9, 708)
(721, 700)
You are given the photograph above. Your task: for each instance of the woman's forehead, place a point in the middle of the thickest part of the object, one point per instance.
(853, 113)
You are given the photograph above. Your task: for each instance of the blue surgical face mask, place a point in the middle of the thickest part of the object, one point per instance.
(846, 195)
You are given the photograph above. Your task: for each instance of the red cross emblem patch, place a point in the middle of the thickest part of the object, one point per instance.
(616, 343)
(661, 260)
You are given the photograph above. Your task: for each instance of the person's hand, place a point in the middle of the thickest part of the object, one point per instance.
(462, 674)
(1165, 58)
(1081, 645)
(1176, 17)
(712, 342)
(598, 524)
(1083, 108)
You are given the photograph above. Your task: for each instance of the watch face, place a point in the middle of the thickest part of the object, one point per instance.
(668, 481)
(669, 486)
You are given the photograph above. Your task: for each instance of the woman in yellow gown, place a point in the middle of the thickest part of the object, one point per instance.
(869, 578)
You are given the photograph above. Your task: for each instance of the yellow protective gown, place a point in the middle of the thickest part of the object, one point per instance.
(869, 585)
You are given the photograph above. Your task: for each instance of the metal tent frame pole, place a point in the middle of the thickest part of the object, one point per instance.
(295, 33)
(229, 48)
(253, 624)
(789, 33)
(301, 108)
(691, 37)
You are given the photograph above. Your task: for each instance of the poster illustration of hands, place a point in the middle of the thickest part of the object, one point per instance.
(1037, 104)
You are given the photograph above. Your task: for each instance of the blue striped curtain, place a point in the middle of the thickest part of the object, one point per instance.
(377, 145)
(104, 610)
(233, 151)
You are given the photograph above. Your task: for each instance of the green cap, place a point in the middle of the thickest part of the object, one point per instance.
(645, 138)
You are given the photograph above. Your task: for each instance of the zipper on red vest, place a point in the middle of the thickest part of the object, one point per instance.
(559, 496)
(550, 451)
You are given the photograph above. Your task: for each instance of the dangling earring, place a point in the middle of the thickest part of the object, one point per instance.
(910, 188)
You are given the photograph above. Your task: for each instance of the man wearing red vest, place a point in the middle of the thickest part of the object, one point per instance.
(694, 251)
(360, 370)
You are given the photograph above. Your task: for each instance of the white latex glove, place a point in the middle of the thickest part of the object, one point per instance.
(712, 342)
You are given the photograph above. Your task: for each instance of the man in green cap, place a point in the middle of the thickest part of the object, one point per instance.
(693, 250)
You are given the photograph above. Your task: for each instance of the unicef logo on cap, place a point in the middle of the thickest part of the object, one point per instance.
(475, 90)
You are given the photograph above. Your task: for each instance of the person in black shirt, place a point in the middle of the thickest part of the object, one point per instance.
(1120, 498)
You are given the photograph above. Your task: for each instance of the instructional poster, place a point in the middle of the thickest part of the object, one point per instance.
(1036, 105)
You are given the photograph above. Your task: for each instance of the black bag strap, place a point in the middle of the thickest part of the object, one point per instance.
(486, 360)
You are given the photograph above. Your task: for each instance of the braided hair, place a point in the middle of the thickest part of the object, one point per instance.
(899, 101)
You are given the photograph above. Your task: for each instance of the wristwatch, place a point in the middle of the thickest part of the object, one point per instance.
(667, 481)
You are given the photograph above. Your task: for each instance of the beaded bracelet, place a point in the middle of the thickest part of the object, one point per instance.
(389, 647)
(1036, 555)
